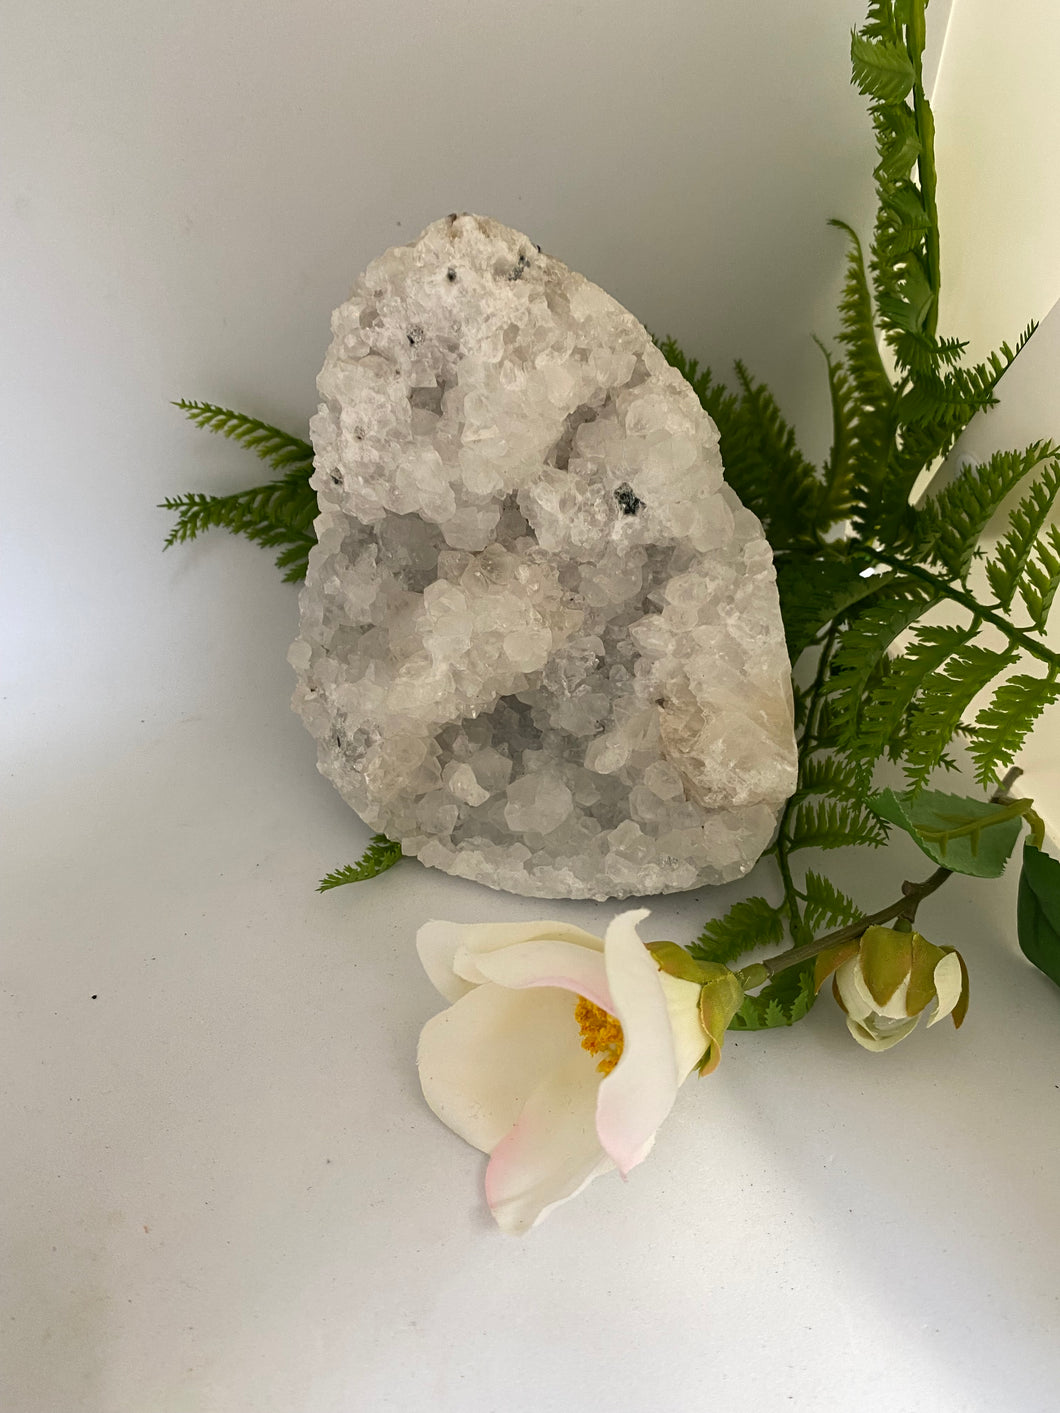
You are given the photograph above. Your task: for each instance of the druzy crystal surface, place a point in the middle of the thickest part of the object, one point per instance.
(540, 640)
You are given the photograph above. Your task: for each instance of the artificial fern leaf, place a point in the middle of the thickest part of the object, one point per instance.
(763, 454)
(815, 590)
(953, 521)
(279, 515)
(836, 502)
(832, 824)
(1005, 569)
(884, 709)
(826, 907)
(382, 853)
(1041, 579)
(858, 329)
(281, 450)
(862, 648)
(882, 68)
(1002, 727)
(940, 706)
(829, 775)
(783, 1002)
(752, 922)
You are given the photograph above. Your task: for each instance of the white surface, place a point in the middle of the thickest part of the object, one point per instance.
(998, 136)
(221, 1190)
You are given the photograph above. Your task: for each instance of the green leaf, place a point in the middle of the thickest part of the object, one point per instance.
(815, 589)
(1041, 579)
(882, 69)
(783, 1002)
(281, 450)
(862, 647)
(834, 825)
(1038, 911)
(1002, 727)
(933, 818)
(382, 853)
(826, 907)
(939, 709)
(953, 521)
(884, 709)
(752, 922)
(1005, 570)
(278, 515)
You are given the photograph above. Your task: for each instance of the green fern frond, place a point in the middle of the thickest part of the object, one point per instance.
(826, 907)
(277, 515)
(862, 648)
(837, 499)
(941, 704)
(857, 330)
(278, 448)
(884, 712)
(829, 775)
(882, 68)
(750, 923)
(1002, 727)
(815, 590)
(382, 853)
(783, 1002)
(952, 521)
(784, 484)
(834, 824)
(1012, 554)
(1041, 579)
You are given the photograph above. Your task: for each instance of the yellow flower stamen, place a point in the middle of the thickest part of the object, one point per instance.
(601, 1034)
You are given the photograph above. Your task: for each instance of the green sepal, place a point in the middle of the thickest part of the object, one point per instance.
(982, 848)
(719, 1001)
(675, 961)
(1038, 911)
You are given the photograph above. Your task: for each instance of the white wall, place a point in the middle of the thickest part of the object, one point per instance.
(997, 145)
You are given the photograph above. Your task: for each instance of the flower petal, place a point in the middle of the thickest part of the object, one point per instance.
(481, 1059)
(439, 942)
(640, 1091)
(869, 1038)
(552, 1153)
(856, 998)
(566, 965)
(690, 1040)
(949, 983)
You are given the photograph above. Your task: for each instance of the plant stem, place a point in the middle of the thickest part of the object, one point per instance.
(925, 123)
(904, 908)
(950, 591)
(813, 711)
(912, 895)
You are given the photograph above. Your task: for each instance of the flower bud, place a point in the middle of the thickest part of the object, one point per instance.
(886, 979)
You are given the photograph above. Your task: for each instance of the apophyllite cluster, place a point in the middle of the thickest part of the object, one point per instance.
(540, 638)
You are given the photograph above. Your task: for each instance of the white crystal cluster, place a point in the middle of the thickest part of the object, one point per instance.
(540, 640)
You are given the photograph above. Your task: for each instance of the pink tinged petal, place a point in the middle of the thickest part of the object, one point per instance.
(552, 1153)
(869, 1037)
(481, 1059)
(640, 1091)
(566, 965)
(439, 943)
(949, 983)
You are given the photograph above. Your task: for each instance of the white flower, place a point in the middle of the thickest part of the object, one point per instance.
(885, 981)
(560, 1056)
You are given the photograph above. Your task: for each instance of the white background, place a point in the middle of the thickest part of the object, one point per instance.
(221, 1190)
